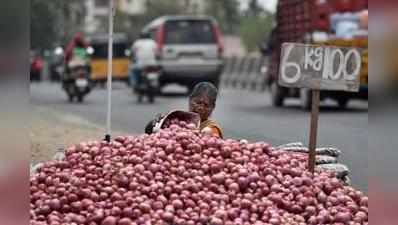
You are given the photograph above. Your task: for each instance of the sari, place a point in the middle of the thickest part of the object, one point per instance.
(215, 128)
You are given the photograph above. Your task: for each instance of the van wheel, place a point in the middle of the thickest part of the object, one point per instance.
(139, 98)
(277, 95)
(151, 98)
(70, 98)
(343, 102)
(80, 98)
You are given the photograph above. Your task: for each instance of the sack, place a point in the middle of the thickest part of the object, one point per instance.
(341, 170)
(289, 145)
(325, 159)
(328, 151)
(334, 152)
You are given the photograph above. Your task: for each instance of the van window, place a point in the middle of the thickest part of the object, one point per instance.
(189, 32)
(153, 33)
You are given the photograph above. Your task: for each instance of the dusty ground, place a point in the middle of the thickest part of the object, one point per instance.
(51, 131)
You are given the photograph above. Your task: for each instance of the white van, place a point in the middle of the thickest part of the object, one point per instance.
(190, 49)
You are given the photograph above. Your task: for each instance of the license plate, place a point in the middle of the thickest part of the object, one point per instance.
(60, 70)
(153, 76)
(81, 83)
(153, 79)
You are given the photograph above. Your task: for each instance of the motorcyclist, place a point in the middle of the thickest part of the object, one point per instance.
(76, 49)
(144, 54)
(203, 102)
(75, 46)
(36, 66)
(76, 79)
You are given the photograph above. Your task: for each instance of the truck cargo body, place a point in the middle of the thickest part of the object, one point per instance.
(298, 21)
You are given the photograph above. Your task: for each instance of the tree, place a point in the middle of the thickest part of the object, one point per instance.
(156, 8)
(226, 12)
(254, 8)
(253, 29)
(44, 21)
(72, 16)
(55, 22)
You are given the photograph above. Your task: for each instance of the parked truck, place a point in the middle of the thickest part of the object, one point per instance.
(319, 22)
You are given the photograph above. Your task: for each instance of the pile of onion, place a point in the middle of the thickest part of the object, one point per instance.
(181, 177)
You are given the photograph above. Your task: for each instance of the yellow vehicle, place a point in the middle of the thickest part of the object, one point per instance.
(99, 58)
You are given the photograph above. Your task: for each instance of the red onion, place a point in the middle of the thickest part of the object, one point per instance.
(179, 176)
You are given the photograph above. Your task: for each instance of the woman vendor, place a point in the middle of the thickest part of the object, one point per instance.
(201, 101)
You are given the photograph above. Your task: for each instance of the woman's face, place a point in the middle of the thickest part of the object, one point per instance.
(202, 106)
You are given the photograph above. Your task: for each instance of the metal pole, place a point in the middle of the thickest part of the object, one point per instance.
(314, 130)
(110, 55)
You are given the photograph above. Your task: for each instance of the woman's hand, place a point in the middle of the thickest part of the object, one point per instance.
(207, 130)
(211, 131)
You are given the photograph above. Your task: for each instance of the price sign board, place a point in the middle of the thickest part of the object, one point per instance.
(320, 67)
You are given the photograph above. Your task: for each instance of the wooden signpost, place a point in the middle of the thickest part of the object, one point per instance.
(319, 68)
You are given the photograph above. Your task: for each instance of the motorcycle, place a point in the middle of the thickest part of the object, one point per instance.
(148, 83)
(76, 82)
(36, 69)
(56, 71)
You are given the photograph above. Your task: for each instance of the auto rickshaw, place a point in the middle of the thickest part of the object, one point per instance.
(99, 58)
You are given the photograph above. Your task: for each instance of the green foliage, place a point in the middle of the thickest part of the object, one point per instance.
(226, 12)
(253, 30)
(14, 23)
(55, 22)
(121, 22)
(158, 8)
(72, 17)
(44, 20)
(254, 8)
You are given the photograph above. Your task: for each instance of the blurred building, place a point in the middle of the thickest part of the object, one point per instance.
(137, 7)
(132, 7)
(97, 10)
(194, 6)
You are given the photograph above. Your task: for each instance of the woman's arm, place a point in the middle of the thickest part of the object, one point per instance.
(212, 131)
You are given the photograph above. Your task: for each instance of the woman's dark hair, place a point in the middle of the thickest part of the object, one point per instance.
(206, 89)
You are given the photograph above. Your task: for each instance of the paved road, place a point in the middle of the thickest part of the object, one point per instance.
(242, 114)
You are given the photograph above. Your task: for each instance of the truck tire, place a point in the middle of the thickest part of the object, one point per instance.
(151, 98)
(80, 98)
(277, 95)
(71, 97)
(306, 99)
(343, 102)
(139, 97)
